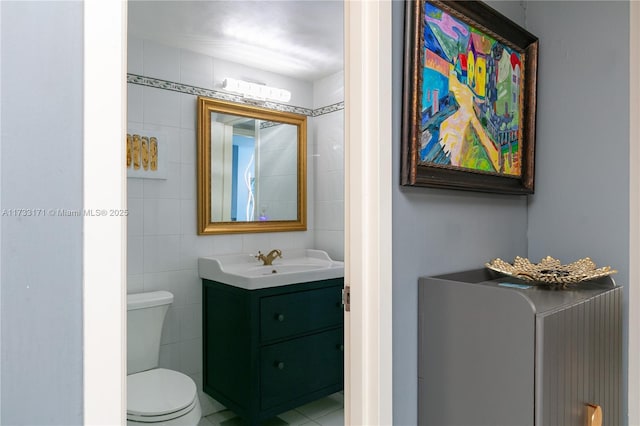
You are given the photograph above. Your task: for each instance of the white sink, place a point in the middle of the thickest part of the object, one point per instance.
(295, 266)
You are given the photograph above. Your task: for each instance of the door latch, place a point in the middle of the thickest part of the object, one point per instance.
(346, 298)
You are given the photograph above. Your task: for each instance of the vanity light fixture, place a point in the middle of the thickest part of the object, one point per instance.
(259, 92)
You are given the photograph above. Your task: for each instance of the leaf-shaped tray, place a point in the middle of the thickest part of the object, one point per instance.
(551, 271)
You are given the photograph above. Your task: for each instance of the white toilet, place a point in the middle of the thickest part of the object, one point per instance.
(155, 395)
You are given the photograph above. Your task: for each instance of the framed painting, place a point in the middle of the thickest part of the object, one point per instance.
(469, 99)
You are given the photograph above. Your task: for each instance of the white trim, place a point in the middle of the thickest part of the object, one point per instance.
(368, 189)
(634, 216)
(104, 239)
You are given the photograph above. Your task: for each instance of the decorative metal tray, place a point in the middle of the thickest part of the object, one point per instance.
(550, 271)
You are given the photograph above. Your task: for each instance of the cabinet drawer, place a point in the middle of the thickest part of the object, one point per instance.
(300, 366)
(300, 312)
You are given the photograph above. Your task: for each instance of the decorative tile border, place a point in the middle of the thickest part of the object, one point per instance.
(328, 109)
(267, 124)
(224, 96)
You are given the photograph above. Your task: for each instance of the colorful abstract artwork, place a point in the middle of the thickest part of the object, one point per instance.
(471, 99)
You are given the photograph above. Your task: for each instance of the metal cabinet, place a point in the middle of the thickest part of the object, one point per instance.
(493, 354)
(270, 350)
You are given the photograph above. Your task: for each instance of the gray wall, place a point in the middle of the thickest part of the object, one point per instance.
(438, 231)
(581, 204)
(41, 168)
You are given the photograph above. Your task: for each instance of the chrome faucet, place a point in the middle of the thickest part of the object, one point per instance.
(269, 257)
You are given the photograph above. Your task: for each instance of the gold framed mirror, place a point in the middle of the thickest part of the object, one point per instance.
(252, 169)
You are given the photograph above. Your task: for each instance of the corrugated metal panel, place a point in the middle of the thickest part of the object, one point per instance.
(578, 361)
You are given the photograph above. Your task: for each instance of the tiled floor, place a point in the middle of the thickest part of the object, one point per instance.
(327, 411)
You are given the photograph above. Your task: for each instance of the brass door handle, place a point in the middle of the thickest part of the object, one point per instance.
(594, 415)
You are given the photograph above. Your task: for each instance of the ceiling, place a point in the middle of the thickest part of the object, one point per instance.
(301, 39)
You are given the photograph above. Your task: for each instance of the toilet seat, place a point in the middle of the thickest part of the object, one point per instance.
(159, 395)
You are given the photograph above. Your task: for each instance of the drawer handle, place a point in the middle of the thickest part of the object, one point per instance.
(279, 317)
(279, 365)
(340, 347)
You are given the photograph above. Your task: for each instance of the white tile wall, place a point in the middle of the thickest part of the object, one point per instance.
(162, 107)
(188, 114)
(159, 216)
(134, 103)
(196, 69)
(160, 61)
(187, 142)
(135, 283)
(332, 186)
(161, 253)
(329, 216)
(135, 262)
(329, 136)
(332, 242)
(329, 90)
(328, 163)
(134, 55)
(163, 246)
(135, 219)
(134, 188)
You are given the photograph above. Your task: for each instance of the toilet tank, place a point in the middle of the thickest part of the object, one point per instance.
(145, 316)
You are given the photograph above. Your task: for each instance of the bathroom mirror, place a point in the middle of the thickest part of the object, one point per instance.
(252, 169)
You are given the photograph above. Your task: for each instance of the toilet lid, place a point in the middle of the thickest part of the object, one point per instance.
(159, 392)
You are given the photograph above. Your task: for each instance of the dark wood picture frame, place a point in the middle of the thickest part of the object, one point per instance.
(497, 141)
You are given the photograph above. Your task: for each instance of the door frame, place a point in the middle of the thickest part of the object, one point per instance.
(368, 200)
(104, 237)
(368, 390)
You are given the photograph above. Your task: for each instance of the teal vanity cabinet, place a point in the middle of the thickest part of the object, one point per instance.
(270, 350)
